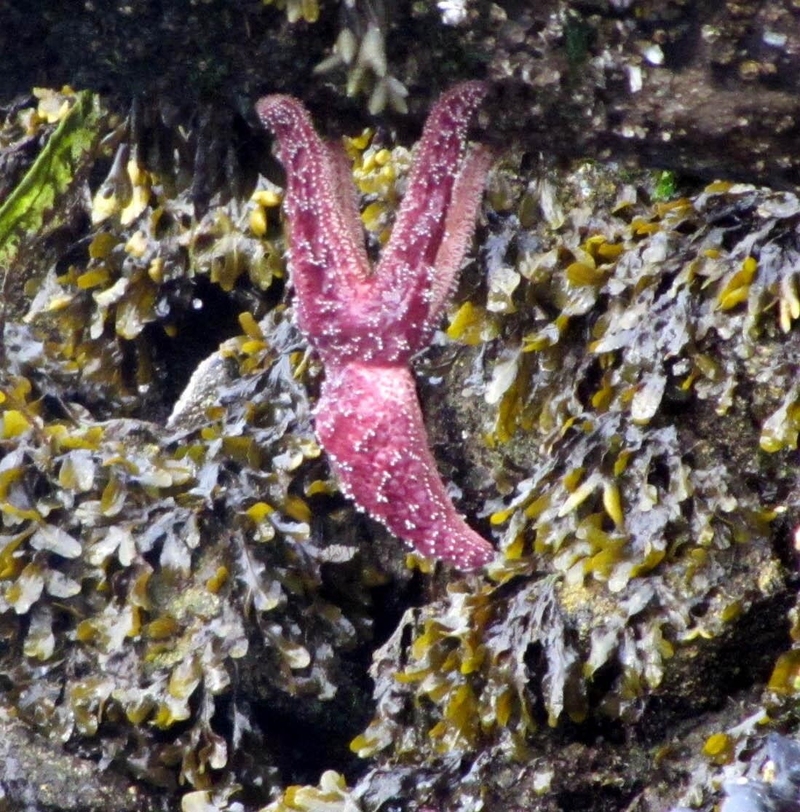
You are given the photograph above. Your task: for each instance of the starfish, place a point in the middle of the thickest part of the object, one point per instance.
(368, 323)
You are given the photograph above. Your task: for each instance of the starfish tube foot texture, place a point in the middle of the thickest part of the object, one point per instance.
(367, 324)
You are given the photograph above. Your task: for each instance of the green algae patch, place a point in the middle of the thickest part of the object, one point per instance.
(69, 150)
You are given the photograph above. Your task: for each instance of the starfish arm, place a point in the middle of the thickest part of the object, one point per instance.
(348, 198)
(326, 258)
(368, 420)
(458, 230)
(405, 274)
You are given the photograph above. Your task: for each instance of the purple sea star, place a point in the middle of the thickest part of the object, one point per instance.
(367, 323)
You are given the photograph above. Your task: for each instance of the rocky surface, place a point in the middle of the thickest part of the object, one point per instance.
(189, 608)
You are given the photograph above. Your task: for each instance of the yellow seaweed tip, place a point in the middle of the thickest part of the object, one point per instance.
(268, 198)
(718, 748)
(468, 324)
(14, 423)
(501, 516)
(136, 245)
(297, 509)
(215, 583)
(258, 221)
(250, 326)
(93, 278)
(320, 486)
(259, 511)
(737, 288)
(359, 142)
(612, 502)
(785, 678)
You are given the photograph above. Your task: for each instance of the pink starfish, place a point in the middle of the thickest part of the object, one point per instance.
(367, 323)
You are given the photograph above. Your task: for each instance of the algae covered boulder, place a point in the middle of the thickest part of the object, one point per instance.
(194, 616)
